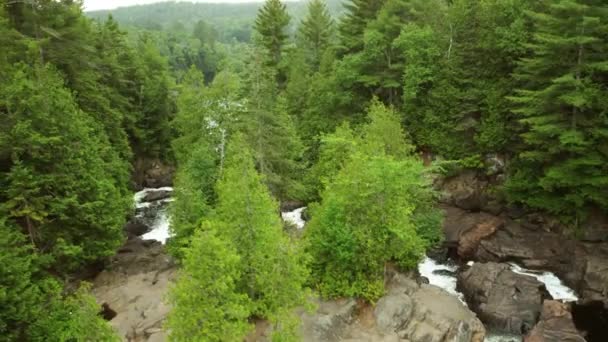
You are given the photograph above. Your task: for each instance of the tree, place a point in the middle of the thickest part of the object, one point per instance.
(58, 187)
(271, 24)
(272, 268)
(353, 23)
(316, 32)
(272, 135)
(562, 167)
(378, 208)
(206, 304)
(20, 297)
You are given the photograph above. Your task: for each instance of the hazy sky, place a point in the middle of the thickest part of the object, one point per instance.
(90, 5)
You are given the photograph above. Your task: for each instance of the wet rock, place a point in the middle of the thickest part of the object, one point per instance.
(471, 238)
(291, 205)
(464, 230)
(594, 285)
(156, 195)
(134, 286)
(503, 299)
(152, 173)
(555, 325)
(136, 227)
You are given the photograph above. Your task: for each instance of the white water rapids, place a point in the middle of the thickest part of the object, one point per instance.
(161, 222)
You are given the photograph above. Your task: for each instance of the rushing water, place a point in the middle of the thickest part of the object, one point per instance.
(295, 217)
(154, 214)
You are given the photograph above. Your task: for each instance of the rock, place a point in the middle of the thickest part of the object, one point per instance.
(136, 228)
(330, 321)
(470, 239)
(595, 229)
(591, 319)
(152, 173)
(594, 285)
(465, 190)
(555, 325)
(392, 312)
(291, 205)
(156, 195)
(503, 299)
(133, 287)
(441, 317)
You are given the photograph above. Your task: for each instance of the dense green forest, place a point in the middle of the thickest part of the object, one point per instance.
(329, 104)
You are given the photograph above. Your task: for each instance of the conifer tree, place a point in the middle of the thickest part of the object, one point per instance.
(271, 133)
(563, 167)
(271, 26)
(354, 22)
(58, 186)
(206, 304)
(272, 270)
(377, 208)
(316, 32)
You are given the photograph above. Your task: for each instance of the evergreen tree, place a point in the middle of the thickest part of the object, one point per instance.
(58, 187)
(272, 135)
(377, 208)
(271, 25)
(272, 268)
(206, 304)
(316, 32)
(562, 167)
(352, 24)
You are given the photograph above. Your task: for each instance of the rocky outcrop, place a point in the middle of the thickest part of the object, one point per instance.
(133, 289)
(465, 190)
(555, 325)
(503, 299)
(408, 312)
(152, 173)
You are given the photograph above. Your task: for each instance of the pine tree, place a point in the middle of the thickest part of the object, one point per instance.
(206, 304)
(563, 167)
(271, 267)
(316, 32)
(271, 25)
(354, 22)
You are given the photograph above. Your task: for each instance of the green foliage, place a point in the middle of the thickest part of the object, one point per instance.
(270, 25)
(561, 105)
(316, 32)
(378, 208)
(19, 296)
(72, 318)
(59, 187)
(206, 305)
(272, 267)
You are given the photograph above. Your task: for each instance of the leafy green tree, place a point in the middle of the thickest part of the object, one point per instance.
(316, 32)
(58, 187)
(562, 166)
(206, 304)
(271, 27)
(272, 267)
(378, 208)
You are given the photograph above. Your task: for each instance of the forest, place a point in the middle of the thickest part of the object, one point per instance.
(352, 107)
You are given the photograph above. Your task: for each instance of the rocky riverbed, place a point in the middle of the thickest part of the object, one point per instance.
(502, 276)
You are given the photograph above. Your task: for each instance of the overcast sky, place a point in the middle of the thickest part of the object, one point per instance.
(91, 5)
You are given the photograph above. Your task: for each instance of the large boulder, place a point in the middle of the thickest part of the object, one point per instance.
(152, 173)
(594, 284)
(465, 190)
(441, 317)
(133, 287)
(555, 325)
(503, 299)
(156, 195)
(135, 227)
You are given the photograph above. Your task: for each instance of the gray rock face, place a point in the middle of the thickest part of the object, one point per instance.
(134, 287)
(408, 312)
(465, 190)
(503, 299)
(555, 325)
